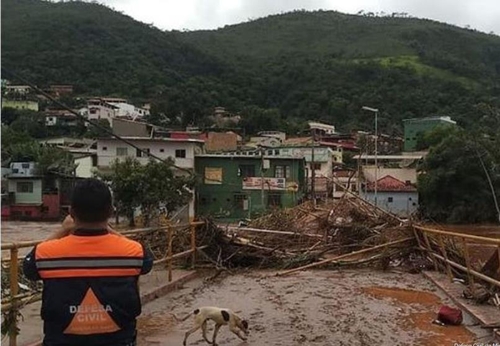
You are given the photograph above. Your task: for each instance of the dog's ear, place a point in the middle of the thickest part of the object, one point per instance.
(245, 324)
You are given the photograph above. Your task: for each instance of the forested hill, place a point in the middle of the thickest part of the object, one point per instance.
(277, 71)
(328, 34)
(97, 49)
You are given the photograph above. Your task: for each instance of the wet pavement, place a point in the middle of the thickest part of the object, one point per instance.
(355, 307)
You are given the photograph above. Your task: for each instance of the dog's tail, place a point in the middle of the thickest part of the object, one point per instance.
(195, 312)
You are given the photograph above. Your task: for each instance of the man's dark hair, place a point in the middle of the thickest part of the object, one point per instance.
(91, 201)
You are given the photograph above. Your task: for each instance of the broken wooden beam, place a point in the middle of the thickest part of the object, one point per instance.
(312, 265)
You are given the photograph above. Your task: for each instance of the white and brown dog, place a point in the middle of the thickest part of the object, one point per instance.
(221, 317)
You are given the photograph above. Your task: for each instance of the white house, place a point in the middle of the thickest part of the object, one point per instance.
(109, 108)
(321, 128)
(128, 110)
(183, 152)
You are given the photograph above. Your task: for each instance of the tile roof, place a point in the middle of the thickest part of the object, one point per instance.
(391, 184)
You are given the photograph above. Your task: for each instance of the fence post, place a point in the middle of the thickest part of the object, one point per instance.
(193, 245)
(14, 289)
(429, 249)
(169, 252)
(445, 255)
(467, 263)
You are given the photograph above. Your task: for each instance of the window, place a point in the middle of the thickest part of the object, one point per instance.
(241, 202)
(143, 153)
(24, 187)
(389, 199)
(282, 172)
(180, 153)
(279, 171)
(316, 166)
(246, 171)
(121, 152)
(274, 200)
(104, 148)
(276, 152)
(162, 150)
(25, 165)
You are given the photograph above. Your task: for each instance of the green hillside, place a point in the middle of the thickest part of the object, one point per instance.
(99, 50)
(276, 71)
(336, 35)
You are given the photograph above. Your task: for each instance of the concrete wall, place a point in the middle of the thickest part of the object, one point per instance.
(27, 198)
(84, 168)
(130, 128)
(107, 151)
(228, 199)
(218, 141)
(403, 203)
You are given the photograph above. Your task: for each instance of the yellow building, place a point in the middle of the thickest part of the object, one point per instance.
(20, 104)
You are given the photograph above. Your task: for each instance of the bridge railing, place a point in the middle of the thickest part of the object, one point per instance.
(13, 301)
(442, 247)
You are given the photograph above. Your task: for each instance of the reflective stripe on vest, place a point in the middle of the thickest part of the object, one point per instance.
(89, 256)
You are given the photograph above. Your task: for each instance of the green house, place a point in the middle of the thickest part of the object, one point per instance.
(412, 128)
(238, 185)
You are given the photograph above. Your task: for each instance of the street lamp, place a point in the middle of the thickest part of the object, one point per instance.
(374, 110)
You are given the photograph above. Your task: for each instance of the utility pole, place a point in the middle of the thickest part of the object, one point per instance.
(262, 177)
(375, 110)
(376, 154)
(313, 173)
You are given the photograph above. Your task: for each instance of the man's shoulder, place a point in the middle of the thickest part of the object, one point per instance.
(123, 239)
(49, 244)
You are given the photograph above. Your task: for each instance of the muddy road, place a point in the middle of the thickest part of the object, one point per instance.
(358, 307)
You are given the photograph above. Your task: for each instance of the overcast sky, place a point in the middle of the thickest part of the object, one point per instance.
(483, 15)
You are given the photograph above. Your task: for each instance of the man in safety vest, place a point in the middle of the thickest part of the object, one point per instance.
(90, 275)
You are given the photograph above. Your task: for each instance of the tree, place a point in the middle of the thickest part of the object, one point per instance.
(163, 189)
(428, 139)
(453, 186)
(149, 187)
(19, 146)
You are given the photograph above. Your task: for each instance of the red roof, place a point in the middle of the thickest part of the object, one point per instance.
(391, 184)
(344, 145)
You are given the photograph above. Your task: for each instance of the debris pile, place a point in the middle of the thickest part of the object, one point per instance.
(288, 238)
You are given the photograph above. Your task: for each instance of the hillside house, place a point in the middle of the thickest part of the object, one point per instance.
(60, 118)
(35, 197)
(320, 129)
(20, 104)
(109, 108)
(17, 89)
(61, 89)
(344, 180)
(416, 126)
(393, 195)
(240, 184)
(182, 151)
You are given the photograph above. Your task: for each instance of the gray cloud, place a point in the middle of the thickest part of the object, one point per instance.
(483, 15)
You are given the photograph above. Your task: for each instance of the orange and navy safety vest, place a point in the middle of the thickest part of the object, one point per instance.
(90, 293)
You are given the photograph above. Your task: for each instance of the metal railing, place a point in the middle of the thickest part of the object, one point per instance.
(432, 242)
(15, 301)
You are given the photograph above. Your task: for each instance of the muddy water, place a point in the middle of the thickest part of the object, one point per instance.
(311, 308)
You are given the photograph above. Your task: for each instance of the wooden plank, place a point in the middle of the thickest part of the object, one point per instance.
(479, 239)
(473, 272)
